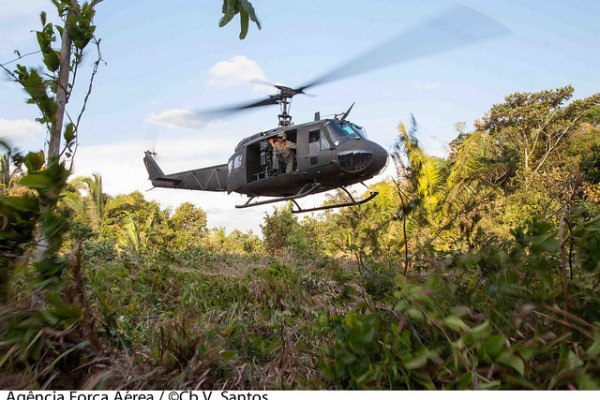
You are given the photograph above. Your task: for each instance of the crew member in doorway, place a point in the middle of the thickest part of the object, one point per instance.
(283, 152)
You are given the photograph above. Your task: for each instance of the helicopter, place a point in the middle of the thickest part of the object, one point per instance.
(328, 153)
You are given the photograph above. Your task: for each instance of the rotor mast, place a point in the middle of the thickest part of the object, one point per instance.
(285, 119)
(284, 98)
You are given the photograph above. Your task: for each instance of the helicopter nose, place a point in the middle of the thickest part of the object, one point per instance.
(380, 158)
(369, 160)
(355, 160)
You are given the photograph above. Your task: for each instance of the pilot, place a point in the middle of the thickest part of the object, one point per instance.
(283, 151)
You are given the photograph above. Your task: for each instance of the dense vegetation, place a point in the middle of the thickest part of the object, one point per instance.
(475, 271)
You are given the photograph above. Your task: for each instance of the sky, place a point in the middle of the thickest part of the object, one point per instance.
(165, 60)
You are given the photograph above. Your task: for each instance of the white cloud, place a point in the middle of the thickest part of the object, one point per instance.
(22, 133)
(177, 117)
(236, 71)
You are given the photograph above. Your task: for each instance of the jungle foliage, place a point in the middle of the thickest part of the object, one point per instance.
(463, 273)
(479, 270)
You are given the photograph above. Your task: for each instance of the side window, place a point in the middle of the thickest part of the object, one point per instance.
(313, 142)
(234, 164)
(237, 162)
(324, 143)
(317, 142)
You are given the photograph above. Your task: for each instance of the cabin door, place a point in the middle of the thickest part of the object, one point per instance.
(236, 171)
(316, 154)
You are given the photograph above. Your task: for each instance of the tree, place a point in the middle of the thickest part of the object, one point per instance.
(535, 125)
(76, 34)
(189, 225)
(419, 172)
(138, 217)
(5, 174)
(480, 172)
(9, 174)
(278, 228)
(283, 233)
(137, 236)
(421, 190)
(49, 90)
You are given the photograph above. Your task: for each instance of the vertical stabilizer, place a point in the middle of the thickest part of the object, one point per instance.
(152, 167)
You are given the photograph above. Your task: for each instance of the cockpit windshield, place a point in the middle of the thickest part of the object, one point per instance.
(342, 131)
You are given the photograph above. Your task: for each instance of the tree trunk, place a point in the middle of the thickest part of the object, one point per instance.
(61, 92)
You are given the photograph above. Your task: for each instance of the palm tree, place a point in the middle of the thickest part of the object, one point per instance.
(94, 207)
(4, 170)
(135, 236)
(419, 172)
(481, 172)
(8, 178)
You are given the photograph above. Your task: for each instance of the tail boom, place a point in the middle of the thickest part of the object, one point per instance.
(212, 179)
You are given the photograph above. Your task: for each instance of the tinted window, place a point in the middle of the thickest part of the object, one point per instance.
(342, 131)
(360, 130)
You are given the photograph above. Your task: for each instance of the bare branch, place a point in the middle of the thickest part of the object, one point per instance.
(94, 2)
(17, 59)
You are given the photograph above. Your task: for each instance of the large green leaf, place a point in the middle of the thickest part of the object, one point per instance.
(229, 11)
(243, 7)
(494, 345)
(244, 22)
(456, 324)
(37, 181)
(249, 9)
(508, 359)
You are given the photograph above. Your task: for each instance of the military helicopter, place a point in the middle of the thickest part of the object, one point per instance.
(329, 153)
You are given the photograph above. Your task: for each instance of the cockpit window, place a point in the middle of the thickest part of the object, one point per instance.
(348, 129)
(342, 131)
(360, 130)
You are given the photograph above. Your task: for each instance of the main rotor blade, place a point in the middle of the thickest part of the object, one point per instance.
(456, 27)
(221, 112)
(284, 92)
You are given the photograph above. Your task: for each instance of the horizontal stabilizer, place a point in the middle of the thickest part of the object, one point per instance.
(166, 179)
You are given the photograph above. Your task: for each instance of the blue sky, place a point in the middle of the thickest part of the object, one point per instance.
(166, 59)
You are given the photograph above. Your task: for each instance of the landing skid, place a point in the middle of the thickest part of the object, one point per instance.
(372, 195)
(306, 190)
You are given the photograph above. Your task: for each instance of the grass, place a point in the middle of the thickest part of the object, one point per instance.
(246, 322)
